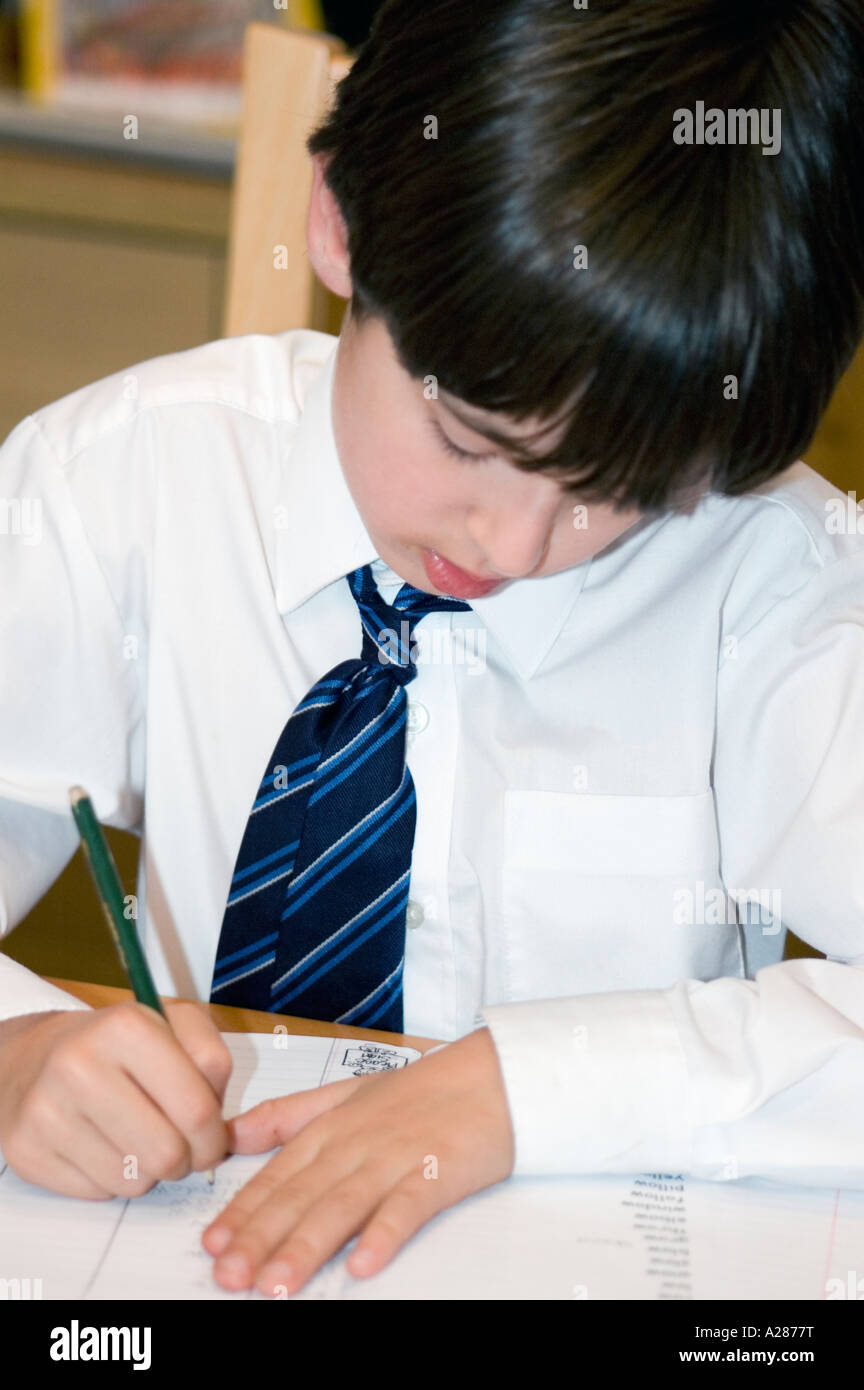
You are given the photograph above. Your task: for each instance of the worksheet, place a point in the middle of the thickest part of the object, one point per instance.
(648, 1236)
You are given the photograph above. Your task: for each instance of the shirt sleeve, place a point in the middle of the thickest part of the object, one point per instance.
(71, 696)
(734, 1078)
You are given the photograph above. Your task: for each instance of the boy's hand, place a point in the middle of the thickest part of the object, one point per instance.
(109, 1102)
(379, 1156)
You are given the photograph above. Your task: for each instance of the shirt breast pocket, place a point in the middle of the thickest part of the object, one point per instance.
(606, 892)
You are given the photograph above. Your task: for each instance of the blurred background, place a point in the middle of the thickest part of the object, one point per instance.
(113, 249)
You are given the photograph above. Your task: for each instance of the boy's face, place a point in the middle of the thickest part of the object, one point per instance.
(450, 525)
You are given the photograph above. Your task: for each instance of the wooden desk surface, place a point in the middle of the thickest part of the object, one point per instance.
(230, 1020)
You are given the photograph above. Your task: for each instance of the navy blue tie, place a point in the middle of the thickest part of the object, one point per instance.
(315, 919)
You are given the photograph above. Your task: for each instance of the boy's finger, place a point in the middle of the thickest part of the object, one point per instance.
(275, 1121)
(63, 1176)
(46, 1166)
(327, 1225)
(139, 1042)
(400, 1216)
(123, 1142)
(269, 1205)
(201, 1040)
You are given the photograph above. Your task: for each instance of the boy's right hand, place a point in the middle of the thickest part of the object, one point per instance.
(109, 1102)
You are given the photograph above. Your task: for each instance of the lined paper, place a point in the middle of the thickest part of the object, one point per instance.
(647, 1237)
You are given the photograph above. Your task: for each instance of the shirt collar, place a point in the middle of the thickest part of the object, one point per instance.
(320, 537)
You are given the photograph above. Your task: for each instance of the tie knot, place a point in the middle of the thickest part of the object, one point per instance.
(388, 628)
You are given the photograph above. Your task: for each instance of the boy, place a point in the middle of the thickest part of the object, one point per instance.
(579, 362)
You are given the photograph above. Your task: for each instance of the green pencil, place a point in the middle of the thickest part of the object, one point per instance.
(110, 890)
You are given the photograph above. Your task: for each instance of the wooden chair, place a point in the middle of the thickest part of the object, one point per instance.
(837, 452)
(288, 80)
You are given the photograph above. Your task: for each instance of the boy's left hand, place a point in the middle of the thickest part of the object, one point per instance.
(358, 1156)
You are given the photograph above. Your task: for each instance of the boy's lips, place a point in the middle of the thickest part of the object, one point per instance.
(450, 579)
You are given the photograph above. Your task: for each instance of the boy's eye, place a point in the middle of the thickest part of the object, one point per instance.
(452, 448)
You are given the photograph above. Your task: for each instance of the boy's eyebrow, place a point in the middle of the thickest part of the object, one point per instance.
(511, 443)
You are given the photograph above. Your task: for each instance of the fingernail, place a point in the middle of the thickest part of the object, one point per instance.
(217, 1239)
(236, 1264)
(276, 1277)
(361, 1261)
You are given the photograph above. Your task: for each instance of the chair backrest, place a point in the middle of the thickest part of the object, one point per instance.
(288, 80)
(837, 452)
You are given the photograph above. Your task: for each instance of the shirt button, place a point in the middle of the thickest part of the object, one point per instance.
(414, 915)
(418, 717)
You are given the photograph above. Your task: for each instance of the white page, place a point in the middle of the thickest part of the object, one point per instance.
(641, 1237)
(150, 1246)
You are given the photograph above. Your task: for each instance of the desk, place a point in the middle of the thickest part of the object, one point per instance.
(631, 1237)
(229, 1020)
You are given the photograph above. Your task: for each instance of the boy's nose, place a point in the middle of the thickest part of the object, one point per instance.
(515, 538)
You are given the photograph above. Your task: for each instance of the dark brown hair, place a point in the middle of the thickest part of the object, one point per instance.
(555, 130)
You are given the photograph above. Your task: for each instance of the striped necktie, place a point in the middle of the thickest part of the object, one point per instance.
(315, 919)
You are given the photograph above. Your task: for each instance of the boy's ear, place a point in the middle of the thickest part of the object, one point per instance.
(326, 233)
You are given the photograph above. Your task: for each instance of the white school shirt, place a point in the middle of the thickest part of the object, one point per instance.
(606, 760)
